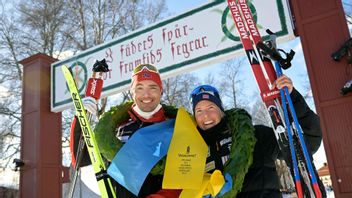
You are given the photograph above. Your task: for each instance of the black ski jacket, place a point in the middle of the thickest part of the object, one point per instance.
(262, 180)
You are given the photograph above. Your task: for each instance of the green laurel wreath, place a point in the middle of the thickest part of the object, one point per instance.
(241, 155)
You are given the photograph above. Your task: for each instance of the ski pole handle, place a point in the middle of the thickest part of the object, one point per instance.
(95, 84)
(94, 88)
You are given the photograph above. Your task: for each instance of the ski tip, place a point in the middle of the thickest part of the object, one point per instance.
(65, 69)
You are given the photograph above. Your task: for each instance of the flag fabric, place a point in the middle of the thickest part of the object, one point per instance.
(140, 153)
(212, 184)
(185, 161)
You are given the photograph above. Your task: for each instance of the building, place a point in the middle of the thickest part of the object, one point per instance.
(324, 175)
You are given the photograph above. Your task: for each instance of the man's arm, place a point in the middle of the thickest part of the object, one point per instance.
(75, 138)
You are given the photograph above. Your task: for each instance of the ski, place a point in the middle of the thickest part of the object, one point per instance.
(93, 89)
(256, 60)
(264, 81)
(265, 76)
(104, 183)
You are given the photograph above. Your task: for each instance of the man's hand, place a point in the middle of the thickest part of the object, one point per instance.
(91, 105)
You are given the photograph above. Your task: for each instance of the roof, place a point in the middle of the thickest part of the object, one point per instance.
(324, 171)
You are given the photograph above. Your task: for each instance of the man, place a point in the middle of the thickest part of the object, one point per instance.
(116, 126)
(224, 140)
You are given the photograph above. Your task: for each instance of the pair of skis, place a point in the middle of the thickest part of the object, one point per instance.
(265, 76)
(93, 90)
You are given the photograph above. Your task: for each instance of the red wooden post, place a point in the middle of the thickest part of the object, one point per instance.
(41, 175)
(323, 29)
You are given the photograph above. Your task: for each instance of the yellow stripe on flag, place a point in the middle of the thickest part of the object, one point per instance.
(216, 182)
(185, 162)
(212, 184)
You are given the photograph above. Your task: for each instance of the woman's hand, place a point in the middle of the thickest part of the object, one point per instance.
(283, 81)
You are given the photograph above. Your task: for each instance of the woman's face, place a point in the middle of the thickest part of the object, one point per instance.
(207, 114)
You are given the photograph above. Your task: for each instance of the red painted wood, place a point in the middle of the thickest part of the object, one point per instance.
(41, 132)
(323, 29)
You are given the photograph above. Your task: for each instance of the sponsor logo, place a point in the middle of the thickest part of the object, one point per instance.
(187, 153)
(93, 87)
(82, 120)
(252, 57)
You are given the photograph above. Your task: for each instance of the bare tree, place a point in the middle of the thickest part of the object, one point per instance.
(259, 113)
(10, 83)
(51, 27)
(127, 96)
(176, 90)
(231, 82)
(41, 21)
(93, 22)
(307, 91)
(210, 79)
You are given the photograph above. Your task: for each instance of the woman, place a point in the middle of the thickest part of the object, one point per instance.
(234, 144)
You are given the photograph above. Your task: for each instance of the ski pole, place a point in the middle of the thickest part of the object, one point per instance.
(290, 139)
(299, 133)
(81, 149)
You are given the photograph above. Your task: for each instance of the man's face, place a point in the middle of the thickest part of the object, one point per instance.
(146, 95)
(207, 114)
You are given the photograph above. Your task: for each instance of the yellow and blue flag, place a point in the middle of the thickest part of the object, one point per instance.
(140, 153)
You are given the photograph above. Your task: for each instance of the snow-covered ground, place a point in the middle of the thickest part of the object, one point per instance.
(9, 178)
(86, 185)
(331, 194)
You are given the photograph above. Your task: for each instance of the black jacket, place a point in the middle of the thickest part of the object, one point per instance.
(261, 179)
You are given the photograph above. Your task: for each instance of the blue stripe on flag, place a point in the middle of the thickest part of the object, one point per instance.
(140, 153)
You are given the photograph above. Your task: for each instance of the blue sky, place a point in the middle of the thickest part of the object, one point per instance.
(177, 7)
